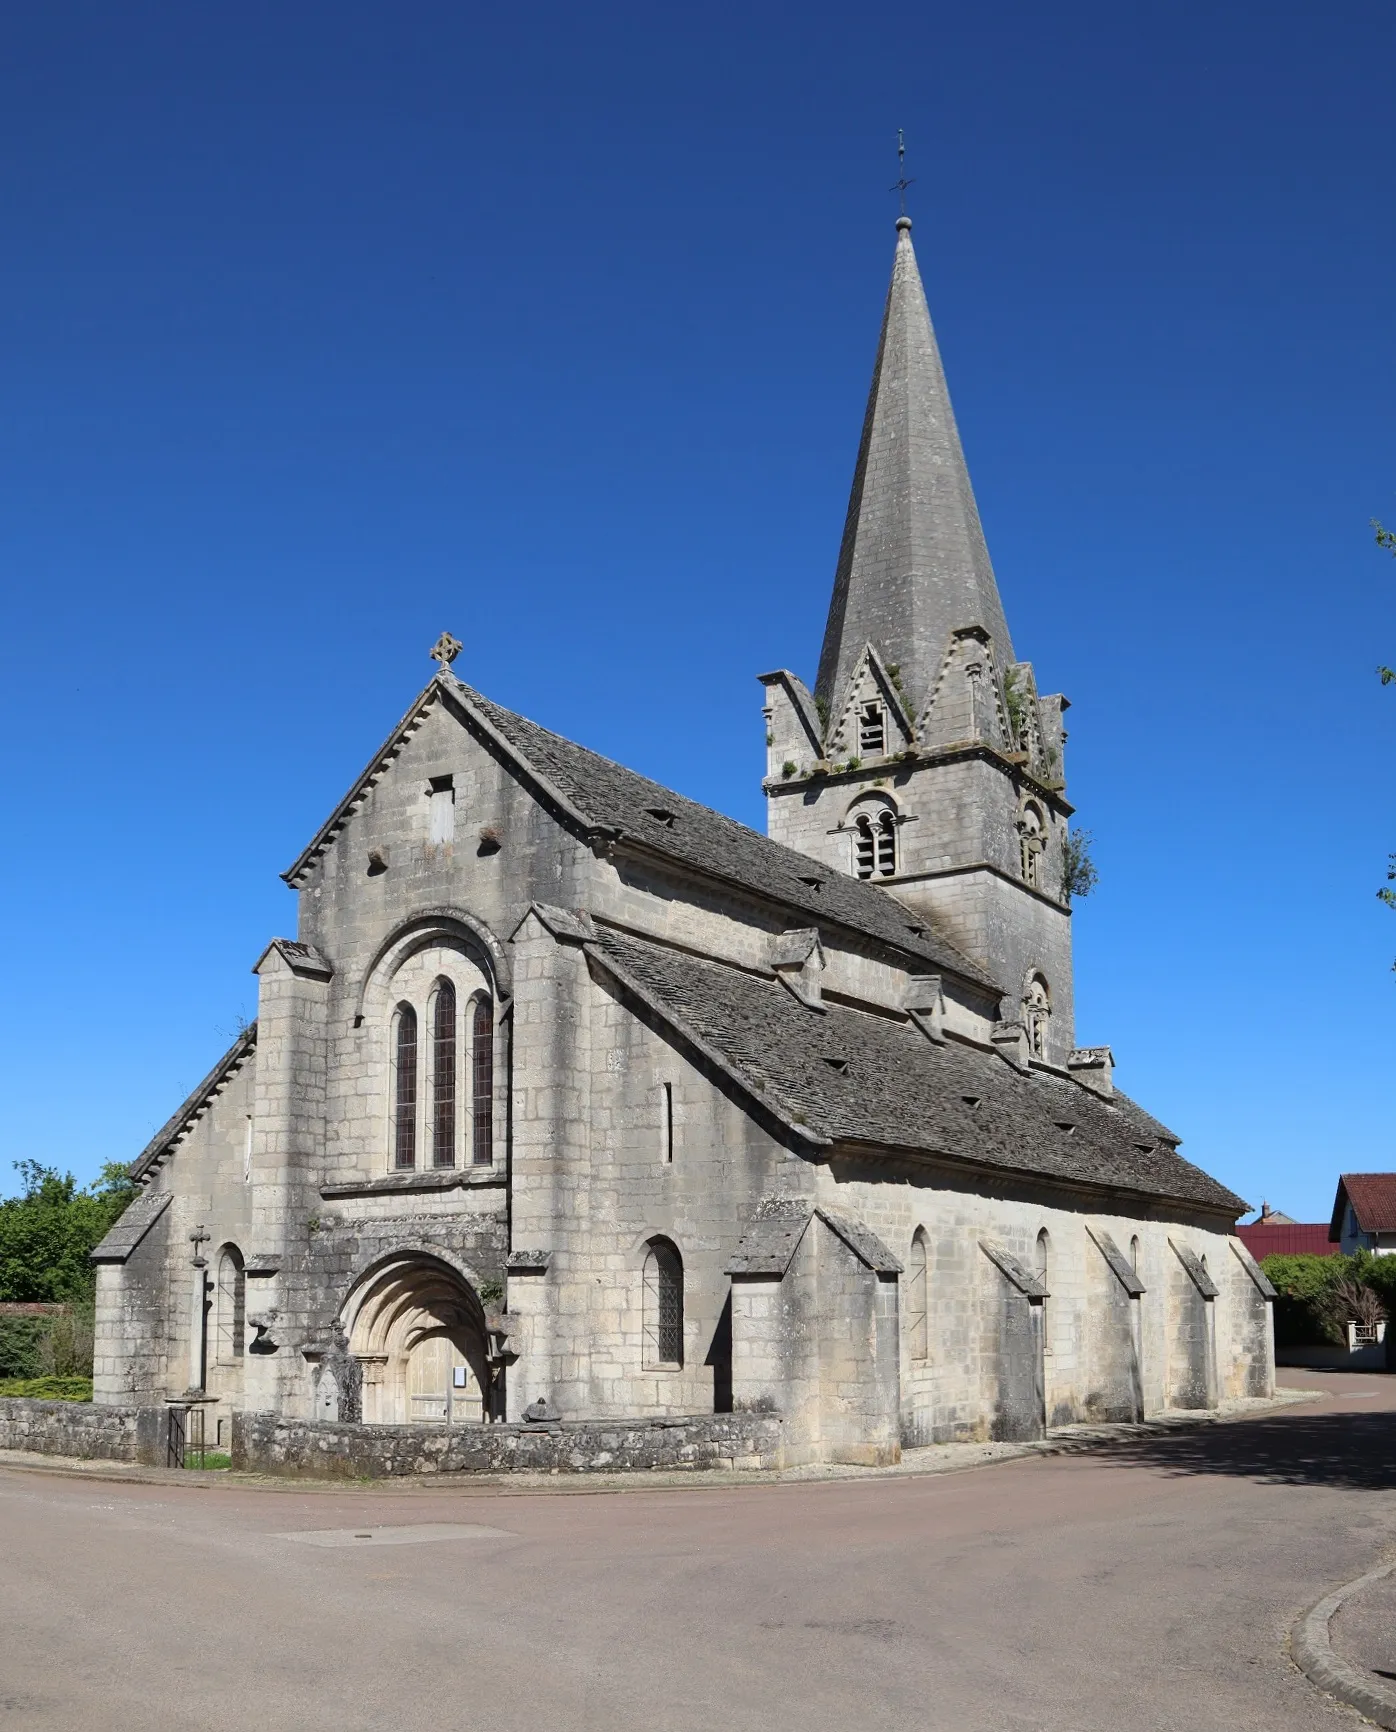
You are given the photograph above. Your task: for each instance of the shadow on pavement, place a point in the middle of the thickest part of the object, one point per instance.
(1352, 1450)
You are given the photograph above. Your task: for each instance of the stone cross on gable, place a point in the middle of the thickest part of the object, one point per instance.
(445, 650)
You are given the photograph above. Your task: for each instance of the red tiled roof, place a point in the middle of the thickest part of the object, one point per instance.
(1373, 1199)
(1296, 1238)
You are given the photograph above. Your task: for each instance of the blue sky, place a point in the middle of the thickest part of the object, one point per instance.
(323, 328)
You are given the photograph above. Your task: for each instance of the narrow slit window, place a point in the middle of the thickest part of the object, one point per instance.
(405, 1088)
(872, 731)
(443, 1076)
(482, 1084)
(666, 1122)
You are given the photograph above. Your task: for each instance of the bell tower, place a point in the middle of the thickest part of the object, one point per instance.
(925, 759)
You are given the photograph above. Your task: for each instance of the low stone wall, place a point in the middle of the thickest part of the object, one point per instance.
(80, 1429)
(266, 1443)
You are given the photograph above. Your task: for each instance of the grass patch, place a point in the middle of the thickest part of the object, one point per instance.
(48, 1388)
(208, 1459)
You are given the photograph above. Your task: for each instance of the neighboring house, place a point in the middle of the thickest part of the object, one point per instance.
(1287, 1239)
(573, 1096)
(1364, 1213)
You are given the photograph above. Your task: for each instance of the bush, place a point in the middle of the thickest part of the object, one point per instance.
(57, 1345)
(48, 1388)
(21, 1340)
(1305, 1314)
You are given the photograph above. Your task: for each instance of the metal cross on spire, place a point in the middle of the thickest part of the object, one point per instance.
(901, 183)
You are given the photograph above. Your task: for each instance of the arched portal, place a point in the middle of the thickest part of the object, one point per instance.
(417, 1327)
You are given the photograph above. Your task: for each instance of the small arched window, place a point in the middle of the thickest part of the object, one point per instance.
(1134, 1253)
(231, 1308)
(864, 847)
(917, 1322)
(405, 1087)
(663, 1306)
(443, 1075)
(482, 1083)
(1044, 1272)
(1032, 836)
(875, 841)
(1037, 1013)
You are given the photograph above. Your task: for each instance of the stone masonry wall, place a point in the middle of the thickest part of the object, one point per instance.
(81, 1429)
(262, 1442)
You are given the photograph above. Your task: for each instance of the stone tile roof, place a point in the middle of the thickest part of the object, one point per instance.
(189, 1109)
(139, 1216)
(1373, 1199)
(853, 1078)
(769, 1243)
(611, 797)
(913, 566)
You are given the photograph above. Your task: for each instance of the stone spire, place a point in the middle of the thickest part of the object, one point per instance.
(913, 566)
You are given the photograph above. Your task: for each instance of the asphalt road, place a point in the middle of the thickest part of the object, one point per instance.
(1138, 1587)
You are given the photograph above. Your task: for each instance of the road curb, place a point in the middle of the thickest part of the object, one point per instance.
(1313, 1654)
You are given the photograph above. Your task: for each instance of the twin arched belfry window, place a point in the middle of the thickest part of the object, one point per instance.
(429, 1073)
(874, 827)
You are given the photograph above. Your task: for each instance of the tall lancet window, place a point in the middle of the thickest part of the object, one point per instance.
(231, 1304)
(1037, 1014)
(443, 1075)
(405, 1087)
(917, 1331)
(482, 1083)
(663, 1305)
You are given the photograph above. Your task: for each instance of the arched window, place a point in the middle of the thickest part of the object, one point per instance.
(1044, 1255)
(875, 840)
(443, 1075)
(231, 1306)
(1134, 1253)
(1037, 1013)
(663, 1306)
(405, 1087)
(917, 1327)
(1032, 837)
(886, 845)
(864, 847)
(482, 1083)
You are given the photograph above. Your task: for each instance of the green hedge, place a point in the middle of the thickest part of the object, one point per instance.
(48, 1388)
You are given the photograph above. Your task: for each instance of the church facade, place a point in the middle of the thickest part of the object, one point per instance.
(572, 1098)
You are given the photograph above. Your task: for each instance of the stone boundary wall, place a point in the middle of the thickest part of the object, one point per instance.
(267, 1443)
(79, 1428)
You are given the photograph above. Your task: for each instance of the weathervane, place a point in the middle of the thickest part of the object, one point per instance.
(445, 650)
(901, 183)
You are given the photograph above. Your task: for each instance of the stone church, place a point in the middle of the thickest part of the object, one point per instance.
(572, 1099)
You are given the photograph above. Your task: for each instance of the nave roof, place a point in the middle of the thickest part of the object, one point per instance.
(852, 1078)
